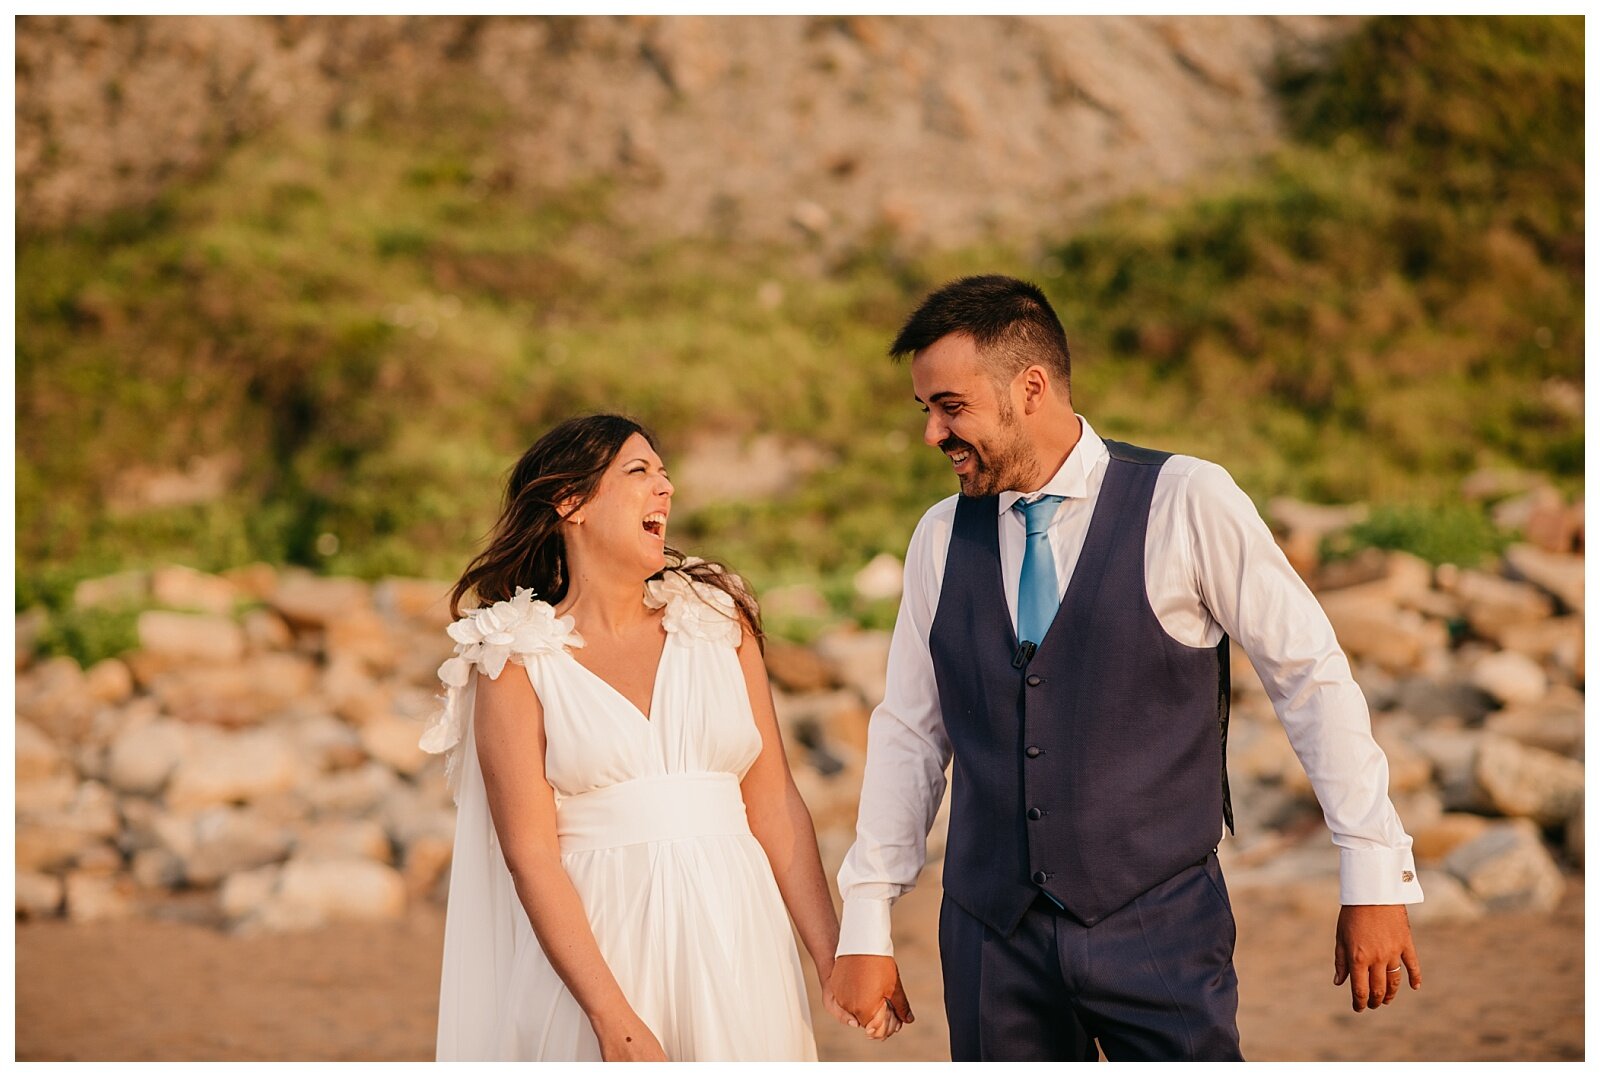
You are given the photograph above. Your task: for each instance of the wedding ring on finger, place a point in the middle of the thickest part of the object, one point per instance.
(1396, 969)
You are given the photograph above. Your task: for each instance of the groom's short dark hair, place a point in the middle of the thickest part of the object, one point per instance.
(1010, 320)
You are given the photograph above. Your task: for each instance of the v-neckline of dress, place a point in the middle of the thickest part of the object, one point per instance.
(655, 683)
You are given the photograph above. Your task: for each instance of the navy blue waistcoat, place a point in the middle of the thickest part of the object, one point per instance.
(1094, 770)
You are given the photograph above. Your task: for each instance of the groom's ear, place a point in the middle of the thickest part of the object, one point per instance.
(1035, 384)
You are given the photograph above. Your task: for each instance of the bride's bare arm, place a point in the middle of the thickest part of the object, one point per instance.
(508, 723)
(781, 822)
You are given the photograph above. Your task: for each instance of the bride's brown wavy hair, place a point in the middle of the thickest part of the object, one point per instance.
(525, 547)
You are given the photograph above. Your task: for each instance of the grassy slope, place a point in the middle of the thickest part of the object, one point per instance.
(376, 329)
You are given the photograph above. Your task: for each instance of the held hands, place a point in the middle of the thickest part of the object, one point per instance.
(1373, 949)
(864, 992)
(626, 1038)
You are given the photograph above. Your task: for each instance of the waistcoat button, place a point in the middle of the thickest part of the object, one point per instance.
(1033, 680)
(1039, 877)
(1033, 751)
(1035, 813)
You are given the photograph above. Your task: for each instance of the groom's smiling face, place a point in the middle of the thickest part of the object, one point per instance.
(971, 417)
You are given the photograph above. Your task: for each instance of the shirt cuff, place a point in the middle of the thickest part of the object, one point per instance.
(864, 928)
(1378, 877)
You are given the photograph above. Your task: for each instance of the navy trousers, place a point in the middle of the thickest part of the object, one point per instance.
(1153, 981)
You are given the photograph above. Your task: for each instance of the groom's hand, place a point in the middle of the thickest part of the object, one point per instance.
(861, 983)
(1373, 949)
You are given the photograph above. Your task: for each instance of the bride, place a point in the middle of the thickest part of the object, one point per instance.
(628, 834)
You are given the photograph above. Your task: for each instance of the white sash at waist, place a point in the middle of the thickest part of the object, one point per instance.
(652, 809)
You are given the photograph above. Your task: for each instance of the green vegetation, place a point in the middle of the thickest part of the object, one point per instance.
(1457, 534)
(360, 329)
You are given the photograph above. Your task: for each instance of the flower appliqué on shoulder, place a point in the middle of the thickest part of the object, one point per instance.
(488, 638)
(700, 609)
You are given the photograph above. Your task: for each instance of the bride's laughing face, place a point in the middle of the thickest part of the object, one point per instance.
(624, 525)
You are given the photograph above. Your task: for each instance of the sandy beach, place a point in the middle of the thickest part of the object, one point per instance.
(1498, 989)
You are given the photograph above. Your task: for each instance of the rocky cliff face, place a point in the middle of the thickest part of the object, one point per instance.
(767, 128)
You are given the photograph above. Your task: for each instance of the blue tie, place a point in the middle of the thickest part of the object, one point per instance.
(1038, 593)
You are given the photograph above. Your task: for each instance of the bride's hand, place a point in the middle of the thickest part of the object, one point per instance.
(628, 1039)
(884, 1023)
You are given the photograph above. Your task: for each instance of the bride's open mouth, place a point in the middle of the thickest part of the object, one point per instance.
(656, 524)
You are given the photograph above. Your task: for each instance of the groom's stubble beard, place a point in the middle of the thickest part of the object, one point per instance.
(1006, 465)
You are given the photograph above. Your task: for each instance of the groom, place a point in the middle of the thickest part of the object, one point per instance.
(1064, 634)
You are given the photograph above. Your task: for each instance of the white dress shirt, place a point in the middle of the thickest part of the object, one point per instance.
(1211, 567)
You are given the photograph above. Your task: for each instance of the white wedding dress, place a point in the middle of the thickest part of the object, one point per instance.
(653, 834)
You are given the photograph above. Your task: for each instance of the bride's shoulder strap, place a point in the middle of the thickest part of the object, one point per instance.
(700, 609)
(516, 629)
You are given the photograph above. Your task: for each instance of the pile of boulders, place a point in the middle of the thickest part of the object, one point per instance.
(254, 763)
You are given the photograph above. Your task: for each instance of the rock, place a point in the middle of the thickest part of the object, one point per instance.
(1367, 566)
(361, 635)
(409, 815)
(1446, 901)
(266, 631)
(350, 792)
(92, 898)
(1454, 755)
(793, 668)
(247, 892)
(230, 767)
(1558, 640)
(1432, 841)
(332, 890)
(37, 757)
(227, 840)
(1304, 526)
(1420, 807)
(311, 601)
(427, 860)
(38, 895)
(257, 581)
(48, 847)
(142, 759)
(1371, 627)
(392, 740)
(109, 681)
(1434, 698)
(1508, 869)
(41, 796)
(238, 694)
(1260, 807)
(157, 869)
(199, 637)
(1559, 575)
(1509, 677)
(426, 602)
(831, 719)
(29, 626)
(54, 696)
(880, 579)
(325, 743)
(1494, 604)
(861, 658)
(1554, 526)
(1555, 723)
(120, 589)
(1516, 512)
(1529, 782)
(185, 589)
(1260, 753)
(344, 839)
